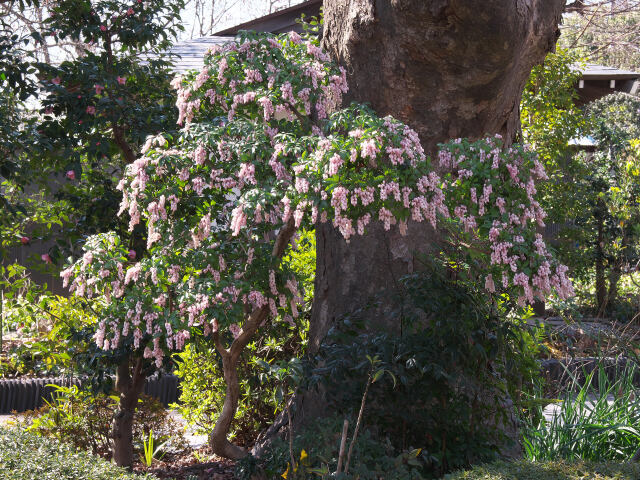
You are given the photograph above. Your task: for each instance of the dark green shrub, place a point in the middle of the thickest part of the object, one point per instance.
(523, 470)
(26, 456)
(441, 399)
(374, 458)
(452, 364)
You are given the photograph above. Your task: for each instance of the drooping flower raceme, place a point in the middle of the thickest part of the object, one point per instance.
(265, 151)
(492, 192)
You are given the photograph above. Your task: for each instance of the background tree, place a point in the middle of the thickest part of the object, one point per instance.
(611, 179)
(604, 31)
(96, 109)
(589, 196)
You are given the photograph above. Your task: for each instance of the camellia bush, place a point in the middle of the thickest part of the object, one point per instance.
(266, 151)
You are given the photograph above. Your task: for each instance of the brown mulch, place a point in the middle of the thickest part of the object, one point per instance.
(190, 467)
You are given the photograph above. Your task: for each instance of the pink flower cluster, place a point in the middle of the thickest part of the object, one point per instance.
(243, 75)
(510, 187)
(257, 156)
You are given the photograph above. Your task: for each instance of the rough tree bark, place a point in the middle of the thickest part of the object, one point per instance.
(447, 68)
(129, 385)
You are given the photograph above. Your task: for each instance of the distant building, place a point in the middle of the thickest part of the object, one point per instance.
(598, 81)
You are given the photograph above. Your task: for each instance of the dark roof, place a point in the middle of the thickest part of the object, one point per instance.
(280, 21)
(191, 52)
(601, 72)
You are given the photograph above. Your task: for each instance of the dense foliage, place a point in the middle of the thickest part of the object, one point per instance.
(25, 456)
(591, 196)
(69, 129)
(602, 222)
(83, 419)
(436, 387)
(54, 326)
(548, 112)
(263, 153)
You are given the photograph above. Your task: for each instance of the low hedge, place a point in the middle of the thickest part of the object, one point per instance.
(559, 470)
(25, 456)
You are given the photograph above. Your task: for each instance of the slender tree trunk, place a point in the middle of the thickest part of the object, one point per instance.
(447, 68)
(230, 357)
(601, 287)
(616, 272)
(614, 278)
(129, 385)
(218, 440)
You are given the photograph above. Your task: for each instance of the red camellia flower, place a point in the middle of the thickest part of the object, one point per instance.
(121, 80)
(99, 89)
(132, 255)
(91, 110)
(130, 11)
(71, 175)
(103, 28)
(46, 258)
(24, 240)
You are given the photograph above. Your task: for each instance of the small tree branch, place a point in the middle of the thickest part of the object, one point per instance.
(355, 432)
(343, 444)
(123, 145)
(293, 459)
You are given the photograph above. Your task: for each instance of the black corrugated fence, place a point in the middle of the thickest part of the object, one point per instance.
(24, 394)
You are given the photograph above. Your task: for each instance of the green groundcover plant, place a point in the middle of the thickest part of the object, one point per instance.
(523, 470)
(25, 456)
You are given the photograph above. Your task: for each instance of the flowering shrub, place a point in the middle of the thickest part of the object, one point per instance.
(265, 152)
(491, 192)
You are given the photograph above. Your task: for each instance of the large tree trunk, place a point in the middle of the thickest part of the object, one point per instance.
(447, 68)
(129, 384)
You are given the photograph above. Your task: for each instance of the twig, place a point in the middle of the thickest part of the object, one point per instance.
(355, 432)
(343, 444)
(585, 27)
(293, 460)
